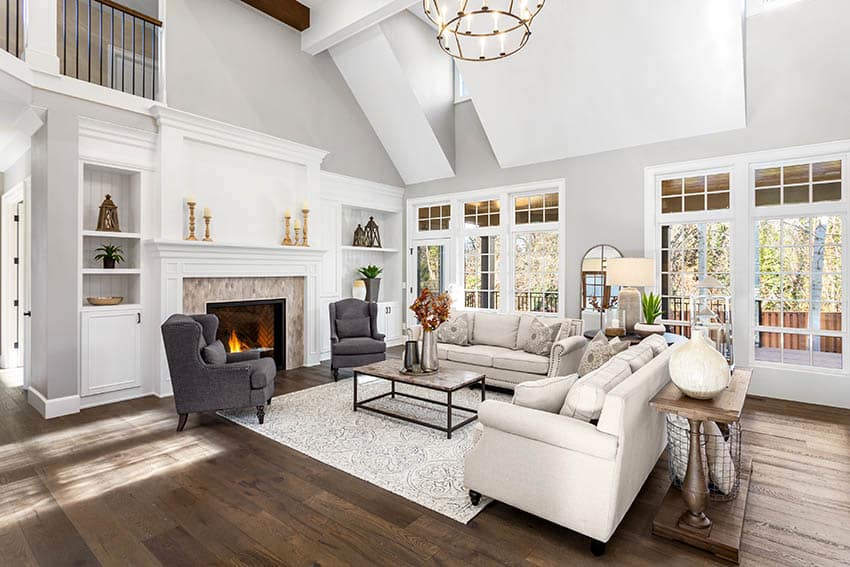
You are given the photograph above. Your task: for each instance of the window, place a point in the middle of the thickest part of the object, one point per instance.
(799, 183)
(696, 193)
(429, 268)
(531, 209)
(434, 217)
(481, 214)
(536, 272)
(689, 253)
(481, 256)
(798, 291)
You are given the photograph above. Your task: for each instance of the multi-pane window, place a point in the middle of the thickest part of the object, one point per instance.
(536, 271)
(799, 183)
(481, 214)
(695, 193)
(434, 217)
(798, 291)
(429, 268)
(481, 255)
(530, 209)
(690, 253)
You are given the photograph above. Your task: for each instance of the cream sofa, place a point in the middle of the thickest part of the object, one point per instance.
(496, 343)
(569, 471)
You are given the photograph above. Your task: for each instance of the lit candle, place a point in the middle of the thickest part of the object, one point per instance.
(297, 224)
(207, 212)
(305, 206)
(287, 213)
(482, 47)
(495, 21)
(191, 199)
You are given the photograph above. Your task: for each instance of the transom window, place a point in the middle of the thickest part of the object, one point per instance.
(536, 272)
(695, 193)
(798, 291)
(530, 209)
(434, 217)
(481, 257)
(481, 214)
(798, 183)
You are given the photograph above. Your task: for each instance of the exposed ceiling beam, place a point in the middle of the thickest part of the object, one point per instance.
(335, 21)
(290, 12)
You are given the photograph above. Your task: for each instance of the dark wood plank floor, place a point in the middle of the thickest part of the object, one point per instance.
(116, 485)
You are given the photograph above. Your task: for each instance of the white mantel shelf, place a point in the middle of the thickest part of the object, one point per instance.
(188, 248)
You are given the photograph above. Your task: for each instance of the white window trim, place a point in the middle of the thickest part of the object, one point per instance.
(741, 214)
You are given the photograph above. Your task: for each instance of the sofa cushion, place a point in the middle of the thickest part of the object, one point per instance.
(586, 398)
(657, 342)
(444, 348)
(454, 331)
(354, 327)
(478, 355)
(521, 361)
(596, 353)
(214, 353)
(547, 394)
(359, 345)
(541, 337)
(495, 330)
(636, 356)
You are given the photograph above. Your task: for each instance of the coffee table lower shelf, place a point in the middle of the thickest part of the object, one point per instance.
(447, 429)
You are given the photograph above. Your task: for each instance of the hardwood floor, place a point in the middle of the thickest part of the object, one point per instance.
(116, 485)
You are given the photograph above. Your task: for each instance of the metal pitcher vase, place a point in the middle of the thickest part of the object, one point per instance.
(428, 360)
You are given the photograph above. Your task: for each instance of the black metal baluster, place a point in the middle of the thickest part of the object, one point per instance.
(64, 37)
(77, 38)
(144, 50)
(89, 40)
(155, 63)
(8, 13)
(18, 19)
(133, 68)
(112, 43)
(100, 47)
(123, 52)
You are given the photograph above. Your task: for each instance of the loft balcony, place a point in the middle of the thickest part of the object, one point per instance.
(12, 26)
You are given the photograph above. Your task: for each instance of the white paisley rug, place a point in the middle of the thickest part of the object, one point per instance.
(410, 460)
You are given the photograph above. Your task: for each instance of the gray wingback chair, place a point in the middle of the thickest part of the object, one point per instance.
(355, 339)
(241, 380)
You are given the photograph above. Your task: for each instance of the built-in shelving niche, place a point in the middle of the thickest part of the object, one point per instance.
(124, 281)
(388, 257)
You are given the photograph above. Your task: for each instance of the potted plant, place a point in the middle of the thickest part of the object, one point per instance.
(370, 277)
(431, 311)
(110, 254)
(650, 305)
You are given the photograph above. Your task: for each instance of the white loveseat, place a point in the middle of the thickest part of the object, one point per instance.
(578, 474)
(496, 343)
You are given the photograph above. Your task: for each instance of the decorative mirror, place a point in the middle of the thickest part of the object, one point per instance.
(596, 296)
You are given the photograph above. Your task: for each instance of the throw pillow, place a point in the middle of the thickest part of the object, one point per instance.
(214, 353)
(455, 331)
(541, 337)
(596, 353)
(636, 356)
(657, 342)
(585, 399)
(544, 395)
(618, 345)
(354, 327)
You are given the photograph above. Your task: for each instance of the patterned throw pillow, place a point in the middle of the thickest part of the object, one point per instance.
(596, 353)
(455, 331)
(541, 337)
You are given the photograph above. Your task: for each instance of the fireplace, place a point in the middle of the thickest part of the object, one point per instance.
(253, 325)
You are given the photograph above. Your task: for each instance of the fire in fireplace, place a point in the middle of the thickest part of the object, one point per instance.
(253, 325)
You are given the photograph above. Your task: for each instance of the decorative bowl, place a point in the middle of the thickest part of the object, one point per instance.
(101, 301)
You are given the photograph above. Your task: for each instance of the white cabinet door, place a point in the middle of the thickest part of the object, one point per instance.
(110, 344)
(389, 320)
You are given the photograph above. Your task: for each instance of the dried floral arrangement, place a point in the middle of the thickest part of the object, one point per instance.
(431, 310)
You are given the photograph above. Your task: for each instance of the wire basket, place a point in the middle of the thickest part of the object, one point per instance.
(720, 445)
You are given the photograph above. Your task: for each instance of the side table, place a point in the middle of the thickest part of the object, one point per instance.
(684, 517)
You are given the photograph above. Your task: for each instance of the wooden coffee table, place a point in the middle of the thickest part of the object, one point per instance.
(448, 381)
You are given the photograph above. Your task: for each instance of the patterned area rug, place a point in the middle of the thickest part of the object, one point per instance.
(410, 460)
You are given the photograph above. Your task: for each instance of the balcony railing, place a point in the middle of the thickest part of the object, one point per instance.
(536, 301)
(12, 26)
(108, 44)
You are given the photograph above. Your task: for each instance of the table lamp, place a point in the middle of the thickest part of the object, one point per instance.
(629, 274)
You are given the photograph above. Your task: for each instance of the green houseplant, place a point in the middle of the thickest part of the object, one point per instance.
(110, 254)
(370, 278)
(650, 305)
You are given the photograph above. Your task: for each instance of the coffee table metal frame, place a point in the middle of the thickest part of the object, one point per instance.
(448, 428)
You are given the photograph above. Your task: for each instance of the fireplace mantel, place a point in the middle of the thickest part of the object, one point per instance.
(173, 260)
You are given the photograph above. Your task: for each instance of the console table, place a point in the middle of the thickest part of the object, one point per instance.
(684, 516)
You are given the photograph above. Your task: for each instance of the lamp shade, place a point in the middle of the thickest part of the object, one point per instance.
(631, 272)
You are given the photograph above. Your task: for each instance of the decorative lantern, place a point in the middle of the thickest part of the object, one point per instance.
(107, 219)
(373, 237)
(359, 236)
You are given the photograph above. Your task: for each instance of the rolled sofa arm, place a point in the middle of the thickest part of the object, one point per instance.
(550, 428)
(242, 356)
(566, 355)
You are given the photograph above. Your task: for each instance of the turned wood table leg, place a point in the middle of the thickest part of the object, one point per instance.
(695, 487)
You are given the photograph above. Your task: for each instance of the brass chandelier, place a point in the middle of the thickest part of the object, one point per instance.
(482, 30)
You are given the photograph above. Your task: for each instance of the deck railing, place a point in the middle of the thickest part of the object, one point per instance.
(111, 45)
(12, 26)
(536, 301)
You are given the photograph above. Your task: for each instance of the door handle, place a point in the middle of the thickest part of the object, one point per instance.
(138, 318)
(27, 313)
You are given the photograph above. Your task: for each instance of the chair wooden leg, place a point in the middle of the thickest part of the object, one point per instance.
(597, 548)
(336, 374)
(261, 413)
(181, 422)
(474, 497)
(269, 402)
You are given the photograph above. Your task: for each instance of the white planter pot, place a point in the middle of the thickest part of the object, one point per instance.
(698, 369)
(645, 330)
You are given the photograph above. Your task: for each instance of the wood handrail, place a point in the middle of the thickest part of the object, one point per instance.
(131, 12)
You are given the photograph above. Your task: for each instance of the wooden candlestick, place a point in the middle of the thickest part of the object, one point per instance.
(191, 205)
(297, 236)
(306, 213)
(287, 240)
(207, 220)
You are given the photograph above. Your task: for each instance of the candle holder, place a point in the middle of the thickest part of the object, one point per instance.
(305, 213)
(297, 236)
(191, 205)
(287, 239)
(207, 220)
